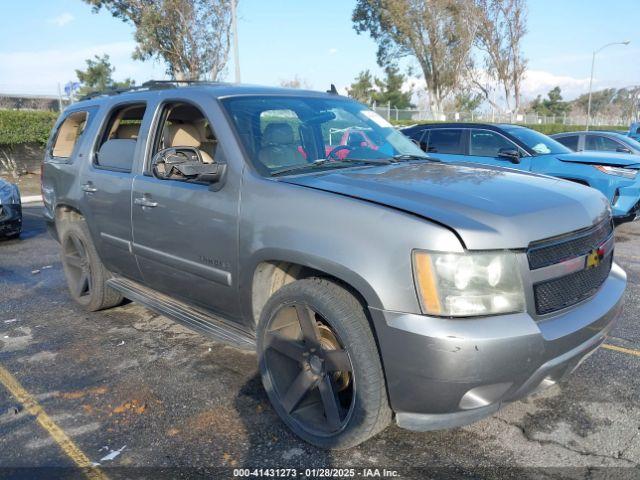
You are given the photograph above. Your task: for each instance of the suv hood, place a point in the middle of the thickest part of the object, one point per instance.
(488, 207)
(602, 158)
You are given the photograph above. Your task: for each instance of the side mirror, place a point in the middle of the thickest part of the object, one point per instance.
(185, 163)
(511, 154)
(623, 150)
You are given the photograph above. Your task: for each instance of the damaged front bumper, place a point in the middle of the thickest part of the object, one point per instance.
(10, 219)
(444, 373)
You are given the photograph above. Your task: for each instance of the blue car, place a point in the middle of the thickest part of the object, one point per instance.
(517, 147)
(10, 210)
(634, 131)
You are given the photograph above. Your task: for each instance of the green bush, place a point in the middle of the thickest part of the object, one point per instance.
(24, 126)
(547, 128)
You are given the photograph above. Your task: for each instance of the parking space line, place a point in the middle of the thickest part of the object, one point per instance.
(628, 351)
(67, 445)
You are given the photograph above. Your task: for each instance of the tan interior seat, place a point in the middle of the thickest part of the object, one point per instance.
(186, 135)
(128, 131)
(278, 148)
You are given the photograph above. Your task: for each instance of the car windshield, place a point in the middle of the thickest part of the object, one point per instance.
(629, 141)
(540, 144)
(283, 134)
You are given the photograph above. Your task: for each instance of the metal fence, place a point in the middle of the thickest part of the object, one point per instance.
(394, 114)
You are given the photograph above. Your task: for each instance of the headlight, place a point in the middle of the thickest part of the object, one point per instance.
(468, 284)
(617, 171)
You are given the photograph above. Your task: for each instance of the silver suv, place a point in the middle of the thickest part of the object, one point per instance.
(373, 281)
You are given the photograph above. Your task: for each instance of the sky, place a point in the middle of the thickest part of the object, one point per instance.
(42, 42)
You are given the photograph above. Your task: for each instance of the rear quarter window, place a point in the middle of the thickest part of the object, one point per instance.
(67, 135)
(570, 142)
(445, 140)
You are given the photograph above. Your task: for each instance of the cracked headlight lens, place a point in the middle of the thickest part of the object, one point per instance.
(468, 284)
(618, 171)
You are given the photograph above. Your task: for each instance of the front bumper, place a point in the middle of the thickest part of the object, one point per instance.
(443, 373)
(627, 204)
(10, 219)
(630, 216)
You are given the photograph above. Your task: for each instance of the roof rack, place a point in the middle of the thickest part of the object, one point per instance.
(148, 85)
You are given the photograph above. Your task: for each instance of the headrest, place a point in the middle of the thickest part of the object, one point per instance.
(128, 131)
(278, 133)
(183, 135)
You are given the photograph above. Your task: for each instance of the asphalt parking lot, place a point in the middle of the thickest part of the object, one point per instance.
(144, 397)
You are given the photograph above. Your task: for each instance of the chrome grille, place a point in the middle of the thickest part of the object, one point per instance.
(557, 250)
(565, 291)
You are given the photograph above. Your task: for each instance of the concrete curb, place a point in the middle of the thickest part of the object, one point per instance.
(31, 199)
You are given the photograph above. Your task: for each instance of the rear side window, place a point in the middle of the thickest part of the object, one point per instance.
(68, 134)
(117, 141)
(445, 141)
(600, 143)
(570, 141)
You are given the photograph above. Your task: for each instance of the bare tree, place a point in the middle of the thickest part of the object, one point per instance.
(439, 34)
(501, 26)
(295, 82)
(192, 37)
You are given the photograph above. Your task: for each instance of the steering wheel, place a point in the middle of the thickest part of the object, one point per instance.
(338, 149)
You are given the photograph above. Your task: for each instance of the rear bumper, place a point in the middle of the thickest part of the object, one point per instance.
(443, 373)
(10, 219)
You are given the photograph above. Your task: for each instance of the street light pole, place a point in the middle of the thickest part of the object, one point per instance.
(593, 63)
(234, 32)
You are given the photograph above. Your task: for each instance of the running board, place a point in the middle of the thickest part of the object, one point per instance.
(212, 326)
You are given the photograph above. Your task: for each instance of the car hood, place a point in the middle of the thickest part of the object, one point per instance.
(602, 158)
(488, 207)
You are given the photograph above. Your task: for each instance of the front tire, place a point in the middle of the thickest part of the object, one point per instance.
(86, 275)
(320, 365)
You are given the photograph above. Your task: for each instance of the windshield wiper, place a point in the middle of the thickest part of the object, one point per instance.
(325, 161)
(409, 156)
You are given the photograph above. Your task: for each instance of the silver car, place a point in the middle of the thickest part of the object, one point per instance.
(374, 282)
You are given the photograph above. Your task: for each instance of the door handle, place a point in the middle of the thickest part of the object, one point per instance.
(89, 188)
(145, 202)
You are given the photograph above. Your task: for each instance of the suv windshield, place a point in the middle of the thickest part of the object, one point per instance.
(540, 144)
(285, 133)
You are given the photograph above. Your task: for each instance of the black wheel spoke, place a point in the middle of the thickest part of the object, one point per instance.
(79, 247)
(74, 260)
(329, 402)
(337, 361)
(297, 391)
(291, 348)
(307, 325)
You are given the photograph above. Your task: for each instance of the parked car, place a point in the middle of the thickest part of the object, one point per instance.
(380, 284)
(10, 210)
(517, 147)
(599, 141)
(634, 131)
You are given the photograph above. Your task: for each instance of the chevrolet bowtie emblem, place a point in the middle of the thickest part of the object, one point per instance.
(595, 257)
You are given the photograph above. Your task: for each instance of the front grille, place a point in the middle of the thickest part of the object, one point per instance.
(565, 291)
(549, 252)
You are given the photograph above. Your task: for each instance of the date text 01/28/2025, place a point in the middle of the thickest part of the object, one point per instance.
(316, 472)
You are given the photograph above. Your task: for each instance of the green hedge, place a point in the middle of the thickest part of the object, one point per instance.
(546, 128)
(25, 126)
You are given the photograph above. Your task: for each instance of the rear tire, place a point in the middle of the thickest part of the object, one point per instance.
(86, 275)
(320, 365)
